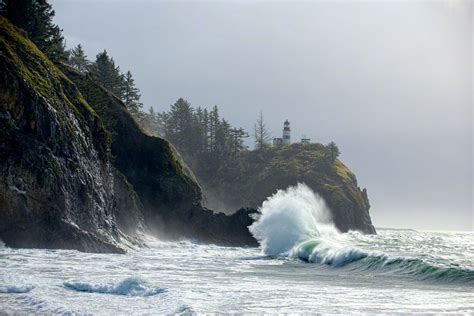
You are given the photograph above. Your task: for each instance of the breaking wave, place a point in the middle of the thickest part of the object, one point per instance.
(131, 286)
(317, 251)
(296, 223)
(5, 289)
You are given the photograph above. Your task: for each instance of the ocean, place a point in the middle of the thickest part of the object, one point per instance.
(304, 265)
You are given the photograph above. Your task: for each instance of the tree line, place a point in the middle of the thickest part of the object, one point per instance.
(109, 75)
(193, 131)
(197, 131)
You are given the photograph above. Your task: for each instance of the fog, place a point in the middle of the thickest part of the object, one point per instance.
(389, 81)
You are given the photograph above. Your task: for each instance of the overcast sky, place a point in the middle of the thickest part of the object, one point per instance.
(389, 81)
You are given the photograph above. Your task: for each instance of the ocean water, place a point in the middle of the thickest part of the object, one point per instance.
(303, 265)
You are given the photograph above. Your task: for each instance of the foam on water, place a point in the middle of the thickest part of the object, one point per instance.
(289, 217)
(16, 288)
(208, 279)
(132, 286)
(350, 273)
(296, 223)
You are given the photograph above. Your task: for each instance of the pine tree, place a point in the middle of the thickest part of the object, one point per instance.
(149, 120)
(261, 133)
(332, 151)
(237, 136)
(180, 124)
(205, 131)
(214, 123)
(131, 95)
(162, 124)
(78, 59)
(109, 75)
(223, 146)
(35, 17)
(200, 129)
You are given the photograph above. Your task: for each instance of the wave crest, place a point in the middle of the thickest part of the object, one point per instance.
(296, 222)
(6, 289)
(289, 217)
(316, 251)
(131, 286)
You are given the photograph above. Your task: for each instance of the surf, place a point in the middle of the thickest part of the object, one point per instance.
(131, 286)
(296, 223)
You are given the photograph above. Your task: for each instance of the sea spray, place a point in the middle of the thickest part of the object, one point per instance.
(290, 217)
(297, 223)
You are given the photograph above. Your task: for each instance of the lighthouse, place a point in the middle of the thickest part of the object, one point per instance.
(286, 133)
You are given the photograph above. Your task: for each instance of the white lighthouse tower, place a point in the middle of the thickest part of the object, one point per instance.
(286, 133)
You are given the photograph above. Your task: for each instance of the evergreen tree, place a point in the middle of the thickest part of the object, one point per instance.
(261, 133)
(105, 71)
(205, 130)
(131, 95)
(332, 151)
(180, 124)
(78, 59)
(214, 123)
(200, 129)
(162, 124)
(35, 17)
(149, 120)
(237, 136)
(223, 148)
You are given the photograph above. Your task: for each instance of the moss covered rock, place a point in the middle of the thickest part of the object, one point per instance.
(249, 178)
(56, 181)
(167, 188)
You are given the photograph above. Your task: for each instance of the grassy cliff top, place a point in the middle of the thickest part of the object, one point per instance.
(40, 74)
(26, 67)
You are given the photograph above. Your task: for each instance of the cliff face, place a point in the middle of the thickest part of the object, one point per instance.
(77, 172)
(248, 179)
(167, 188)
(57, 185)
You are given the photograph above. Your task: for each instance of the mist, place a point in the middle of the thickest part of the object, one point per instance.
(389, 81)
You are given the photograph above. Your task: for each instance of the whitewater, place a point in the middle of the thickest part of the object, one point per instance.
(303, 265)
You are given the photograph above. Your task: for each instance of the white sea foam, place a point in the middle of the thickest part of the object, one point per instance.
(208, 279)
(290, 217)
(131, 286)
(16, 288)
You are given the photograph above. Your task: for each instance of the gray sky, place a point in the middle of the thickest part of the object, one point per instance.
(389, 81)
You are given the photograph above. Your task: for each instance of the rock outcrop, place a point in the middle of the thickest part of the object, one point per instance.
(57, 186)
(252, 176)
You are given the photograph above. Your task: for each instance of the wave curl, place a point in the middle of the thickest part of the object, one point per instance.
(131, 286)
(296, 223)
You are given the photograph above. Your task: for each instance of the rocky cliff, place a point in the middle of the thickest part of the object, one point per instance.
(77, 172)
(57, 186)
(167, 188)
(252, 176)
